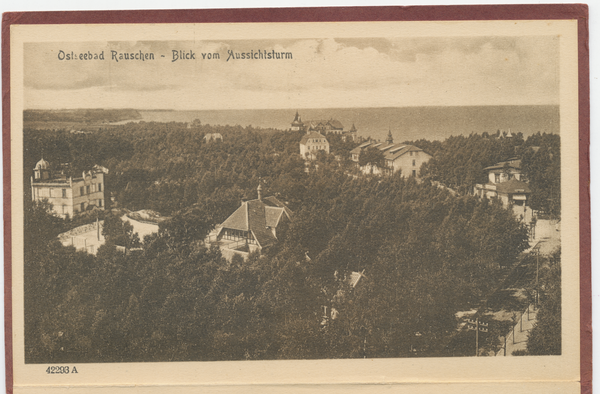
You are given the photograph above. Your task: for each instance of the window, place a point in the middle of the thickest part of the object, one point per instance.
(81, 191)
(414, 162)
(411, 153)
(497, 178)
(87, 190)
(415, 173)
(82, 206)
(64, 193)
(64, 209)
(99, 187)
(100, 203)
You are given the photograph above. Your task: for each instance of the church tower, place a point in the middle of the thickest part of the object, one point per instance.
(297, 123)
(389, 138)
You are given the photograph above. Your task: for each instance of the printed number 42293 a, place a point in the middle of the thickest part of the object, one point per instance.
(61, 370)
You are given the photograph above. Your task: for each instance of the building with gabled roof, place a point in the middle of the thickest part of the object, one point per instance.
(311, 143)
(399, 158)
(253, 226)
(505, 171)
(506, 182)
(323, 126)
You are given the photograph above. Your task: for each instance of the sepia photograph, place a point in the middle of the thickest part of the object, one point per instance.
(316, 193)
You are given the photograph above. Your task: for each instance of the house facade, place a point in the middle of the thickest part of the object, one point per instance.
(68, 196)
(311, 143)
(399, 158)
(507, 183)
(505, 171)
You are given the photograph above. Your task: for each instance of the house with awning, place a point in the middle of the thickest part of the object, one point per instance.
(506, 182)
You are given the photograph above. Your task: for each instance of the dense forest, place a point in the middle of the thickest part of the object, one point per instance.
(425, 252)
(80, 115)
(545, 337)
(459, 161)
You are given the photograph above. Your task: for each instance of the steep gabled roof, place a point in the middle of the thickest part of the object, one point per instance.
(393, 154)
(390, 151)
(336, 124)
(362, 146)
(258, 216)
(237, 220)
(257, 222)
(272, 201)
(273, 215)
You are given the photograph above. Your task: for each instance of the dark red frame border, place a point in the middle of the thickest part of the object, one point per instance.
(329, 14)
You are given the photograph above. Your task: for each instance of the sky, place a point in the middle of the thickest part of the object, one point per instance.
(323, 72)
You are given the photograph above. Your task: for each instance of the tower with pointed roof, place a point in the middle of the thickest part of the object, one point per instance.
(389, 139)
(297, 122)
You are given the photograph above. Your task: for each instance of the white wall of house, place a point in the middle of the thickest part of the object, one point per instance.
(409, 163)
(66, 197)
(503, 177)
(313, 145)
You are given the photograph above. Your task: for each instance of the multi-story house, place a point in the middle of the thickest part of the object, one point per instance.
(506, 182)
(311, 143)
(69, 196)
(398, 158)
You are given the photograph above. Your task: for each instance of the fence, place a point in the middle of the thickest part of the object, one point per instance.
(82, 229)
(516, 339)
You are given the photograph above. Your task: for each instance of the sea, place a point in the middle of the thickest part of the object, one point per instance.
(405, 123)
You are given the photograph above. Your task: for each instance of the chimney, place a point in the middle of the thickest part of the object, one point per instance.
(259, 189)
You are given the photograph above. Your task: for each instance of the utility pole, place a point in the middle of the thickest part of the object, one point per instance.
(521, 324)
(514, 326)
(537, 278)
(477, 326)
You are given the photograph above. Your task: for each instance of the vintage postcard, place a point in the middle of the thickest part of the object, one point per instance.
(290, 200)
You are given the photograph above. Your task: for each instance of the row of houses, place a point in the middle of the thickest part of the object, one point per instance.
(506, 179)
(399, 158)
(253, 226)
